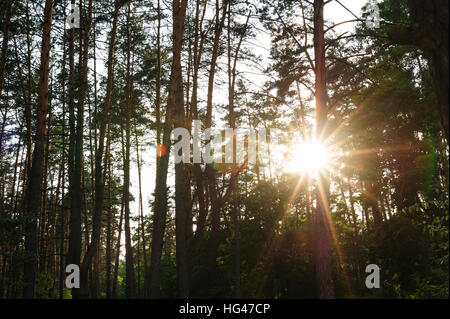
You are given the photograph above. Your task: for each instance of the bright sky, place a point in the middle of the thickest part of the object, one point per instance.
(336, 13)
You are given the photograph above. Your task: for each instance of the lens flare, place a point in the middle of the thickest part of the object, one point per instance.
(160, 149)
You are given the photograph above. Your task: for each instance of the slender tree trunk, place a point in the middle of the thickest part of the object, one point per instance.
(43, 218)
(199, 39)
(74, 252)
(232, 122)
(62, 211)
(77, 145)
(181, 191)
(119, 236)
(34, 193)
(323, 223)
(141, 215)
(175, 102)
(158, 79)
(214, 240)
(99, 183)
(6, 27)
(364, 204)
(160, 204)
(116, 260)
(28, 108)
(130, 275)
(53, 249)
(108, 232)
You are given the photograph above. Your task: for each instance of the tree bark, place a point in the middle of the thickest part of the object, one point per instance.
(141, 214)
(181, 191)
(175, 102)
(116, 259)
(232, 122)
(323, 221)
(6, 27)
(99, 183)
(34, 191)
(214, 240)
(129, 263)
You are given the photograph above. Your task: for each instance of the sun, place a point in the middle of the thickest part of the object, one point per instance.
(308, 157)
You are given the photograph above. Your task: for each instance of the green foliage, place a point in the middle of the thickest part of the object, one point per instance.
(288, 268)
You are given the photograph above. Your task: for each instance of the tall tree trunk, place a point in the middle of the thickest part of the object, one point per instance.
(28, 104)
(34, 193)
(141, 214)
(175, 103)
(158, 78)
(160, 204)
(181, 190)
(108, 232)
(323, 221)
(232, 122)
(119, 236)
(214, 240)
(43, 218)
(129, 263)
(99, 183)
(74, 252)
(62, 210)
(6, 27)
(199, 39)
(116, 259)
(76, 138)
